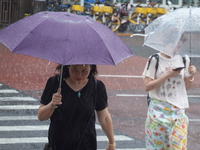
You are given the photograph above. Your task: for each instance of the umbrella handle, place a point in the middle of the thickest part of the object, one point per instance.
(61, 74)
(59, 90)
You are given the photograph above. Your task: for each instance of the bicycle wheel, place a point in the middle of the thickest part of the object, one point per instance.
(135, 26)
(114, 24)
(107, 21)
(99, 19)
(133, 22)
(132, 26)
(140, 28)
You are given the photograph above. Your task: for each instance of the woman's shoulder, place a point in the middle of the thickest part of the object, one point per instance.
(98, 82)
(53, 80)
(55, 77)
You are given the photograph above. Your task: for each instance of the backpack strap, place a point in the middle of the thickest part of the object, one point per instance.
(184, 60)
(157, 61)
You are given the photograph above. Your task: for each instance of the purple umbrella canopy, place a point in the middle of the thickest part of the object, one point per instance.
(65, 38)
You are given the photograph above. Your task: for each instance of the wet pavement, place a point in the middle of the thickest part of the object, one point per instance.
(127, 98)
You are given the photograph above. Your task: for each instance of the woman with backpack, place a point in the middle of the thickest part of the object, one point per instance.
(166, 123)
(72, 110)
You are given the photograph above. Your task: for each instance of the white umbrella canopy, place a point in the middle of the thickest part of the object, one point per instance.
(177, 29)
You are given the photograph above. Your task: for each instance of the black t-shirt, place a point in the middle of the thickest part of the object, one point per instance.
(75, 118)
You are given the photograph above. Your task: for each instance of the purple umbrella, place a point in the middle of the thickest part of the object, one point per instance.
(65, 38)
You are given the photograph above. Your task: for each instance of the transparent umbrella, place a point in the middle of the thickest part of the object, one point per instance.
(180, 26)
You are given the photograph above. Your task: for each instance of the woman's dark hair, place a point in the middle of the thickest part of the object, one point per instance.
(93, 70)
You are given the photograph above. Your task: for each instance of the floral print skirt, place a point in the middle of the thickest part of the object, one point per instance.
(166, 127)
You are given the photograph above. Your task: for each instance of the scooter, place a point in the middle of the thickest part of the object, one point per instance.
(124, 16)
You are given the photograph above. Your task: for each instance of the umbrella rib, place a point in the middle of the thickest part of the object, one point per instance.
(26, 36)
(92, 27)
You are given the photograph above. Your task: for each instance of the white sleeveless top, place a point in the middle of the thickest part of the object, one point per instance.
(172, 90)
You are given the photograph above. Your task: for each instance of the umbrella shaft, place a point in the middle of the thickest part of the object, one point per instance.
(61, 73)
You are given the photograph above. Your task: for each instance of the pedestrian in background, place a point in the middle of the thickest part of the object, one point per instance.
(166, 123)
(72, 112)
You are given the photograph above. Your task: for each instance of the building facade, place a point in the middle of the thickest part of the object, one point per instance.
(13, 10)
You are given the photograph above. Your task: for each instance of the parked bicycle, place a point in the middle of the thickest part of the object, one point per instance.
(124, 16)
(114, 22)
(151, 12)
(77, 8)
(51, 5)
(160, 11)
(88, 9)
(143, 16)
(97, 11)
(106, 14)
(138, 18)
(56, 5)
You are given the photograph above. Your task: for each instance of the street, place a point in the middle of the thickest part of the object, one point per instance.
(22, 79)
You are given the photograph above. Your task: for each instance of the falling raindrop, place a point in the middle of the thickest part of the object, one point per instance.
(49, 63)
